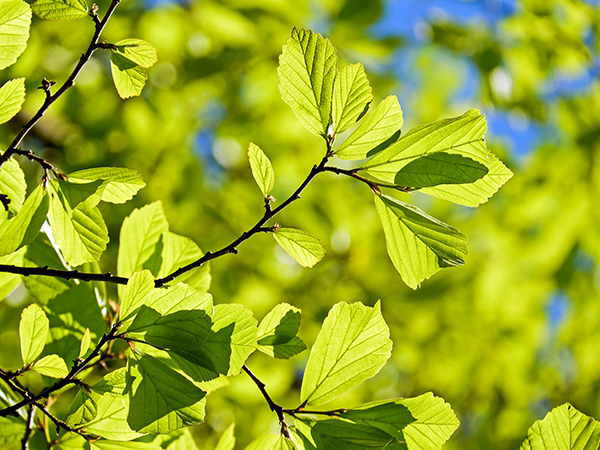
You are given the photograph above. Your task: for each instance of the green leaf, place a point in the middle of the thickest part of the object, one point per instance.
(12, 96)
(307, 71)
(9, 281)
(51, 366)
(161, 400)
(140, 233)
(419, 245)
(277, 332)
(33, 331)
(77, 225)
(265, 442)
(352, 346)
(338, 434)
(478, 192)
(12, 430)
(12, 184)
(60, 9)
(86, 340)
(140, 285)
(15, 19)
(227, 439)
(283, 443)
(461, 135)
(563, 428)
(118, 445)
(374, 130)
(262, 170)
(129, 78)
(111, 419)
(351, 96)
(423, 422)
(83, 409)
(232, 338)
(112, 384)
(25, 226)
(304, 247)
(137, 51)
(121, 184)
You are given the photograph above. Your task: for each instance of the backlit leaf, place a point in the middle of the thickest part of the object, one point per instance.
(307, 71)
(129, 77)
(563, 428)
(419, 245)
(227, 439)
(161, 400)
(262, 170)
(60, 9)
(352, 346)
(12, 96)
(86, 340)
(83, 409)
(112, 384)
(140, 285)
(12, 184)
(33, 331)
(304, 247)
(52, 366)
(137, 51)
(121, 184)
(424, 422)
(111, 419)
(118, 445)
(374, 130)
(12, 430)
(9, 281)
(277, 332)
(351, 96)
(15, 19)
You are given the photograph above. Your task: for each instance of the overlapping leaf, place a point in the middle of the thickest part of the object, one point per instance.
(563, 428)
(307, 71)
(33, 331)
(352, 346)
(418, 245)
(301, 245)
(120, 184)
(12, 96)
(423, 422)
(351, 96)
(12, 184)
(277, 332)
(161, 400)
(373, 132)
(262, 170)
(60, 9)
(52, 366)
(227, 439)
(83, 409)
(137, 51)
(111, 419)
(77, 224)
(15, 19)
(129, 60)
(9, 281)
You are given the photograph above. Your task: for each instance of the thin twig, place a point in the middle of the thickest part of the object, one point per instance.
(41, 161)
(374, 185)
(70, 82)
(78, 366)
(28, 428)
(66, 274)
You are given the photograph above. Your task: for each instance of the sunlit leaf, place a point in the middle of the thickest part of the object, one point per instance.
(267, 441)
(33, 331)
(307, 71)
(52, 366)
(277, 332)
(118, 445)
(351, 96)
(121, 184)
(9, 281)
(15, 19)
(86, 340)
(304, 247)
(137, 51)
(262, 170)
(563, 428)
(140, 285)
(83, 409)
(112, 384)
(161, 400)
(227, 439)
(423, 422)
(60, 9)
(12, 430)
(77, 224)
(352, 346)
(419, 245)
(111, 419)
(12, 96)
(12, 184)
(373, 131)
(25, 226)
(129, 77)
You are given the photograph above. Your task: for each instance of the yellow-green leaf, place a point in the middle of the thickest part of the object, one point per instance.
(262, 170)
(351, 96)
(304, 247)
(60, 9)
(15, 19)
(12, 96)
(52, 366)
(33, 331)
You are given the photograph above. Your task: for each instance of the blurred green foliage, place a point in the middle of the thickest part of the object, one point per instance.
(503, 339)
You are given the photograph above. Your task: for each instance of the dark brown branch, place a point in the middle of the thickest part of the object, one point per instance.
(66, 274)
(78, 366)
(70, 82)
(28, 428)
(374, 185)
(274, 406)
(41, 161)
